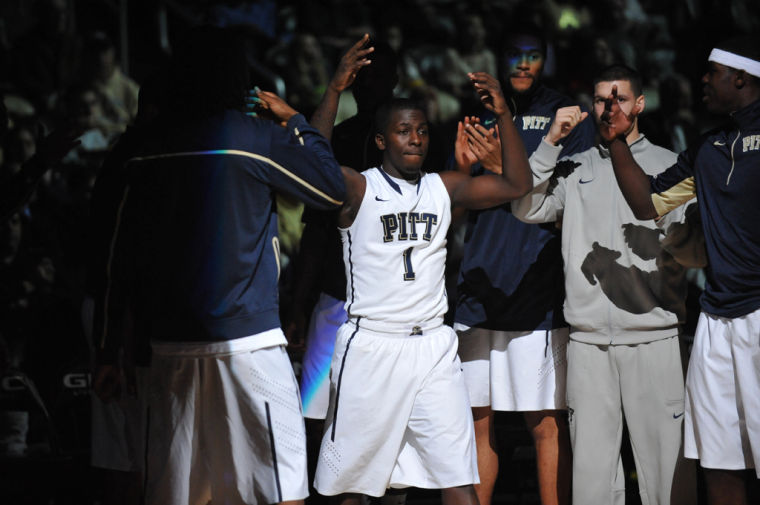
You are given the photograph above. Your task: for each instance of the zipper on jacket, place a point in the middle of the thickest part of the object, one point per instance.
(738, 134)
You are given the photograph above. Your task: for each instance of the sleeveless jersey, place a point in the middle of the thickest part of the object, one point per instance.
(395, 251)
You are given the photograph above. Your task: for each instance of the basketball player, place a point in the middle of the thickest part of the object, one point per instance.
(399, 413)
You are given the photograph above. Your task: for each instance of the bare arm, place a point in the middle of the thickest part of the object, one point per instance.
(356, 185)
(515, 180)
(350, 65)
(632, 180)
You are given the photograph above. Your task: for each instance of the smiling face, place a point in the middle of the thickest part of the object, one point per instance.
(524, 61)
(404, 143)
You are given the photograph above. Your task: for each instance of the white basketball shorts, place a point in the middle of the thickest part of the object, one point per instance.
(118, 428)
(328, 315)
(399, 414)
(515, 370)
(225, 428)
(722, 420)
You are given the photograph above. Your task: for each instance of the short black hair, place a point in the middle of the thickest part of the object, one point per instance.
(208, 73)
(742, 45)
(620, 72)
(383, 114)
(747, 46)
(523, 30)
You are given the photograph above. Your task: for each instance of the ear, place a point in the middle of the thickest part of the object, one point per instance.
(740, 79)
(380, 141)
(640, 103)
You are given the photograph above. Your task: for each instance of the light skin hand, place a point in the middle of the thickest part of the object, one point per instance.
(565, 120)
(614, 122)
(350, 65)
(275, 108)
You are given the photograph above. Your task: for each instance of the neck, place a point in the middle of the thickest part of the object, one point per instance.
(394, 172)
(633, 135)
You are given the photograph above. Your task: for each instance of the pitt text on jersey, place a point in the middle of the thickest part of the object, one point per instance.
(535, 122)
(405, 223)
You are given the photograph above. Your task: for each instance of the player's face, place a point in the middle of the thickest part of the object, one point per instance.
(524, 62)
(626, 97)
(718, 88)
(405, 143)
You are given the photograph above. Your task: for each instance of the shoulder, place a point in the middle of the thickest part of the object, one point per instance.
(552, 99)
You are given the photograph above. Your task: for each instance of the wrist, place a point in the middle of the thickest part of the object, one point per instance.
(551, 139)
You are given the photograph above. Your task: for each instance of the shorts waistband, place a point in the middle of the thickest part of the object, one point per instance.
(400, 330)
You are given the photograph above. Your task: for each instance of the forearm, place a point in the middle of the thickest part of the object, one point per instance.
(539, 206)
(633, 182)
(323, 118)
(515, 166)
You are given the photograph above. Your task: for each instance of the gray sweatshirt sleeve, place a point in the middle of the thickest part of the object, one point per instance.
(545, 203)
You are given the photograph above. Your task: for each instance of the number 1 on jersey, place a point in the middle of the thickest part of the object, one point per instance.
(408, 269)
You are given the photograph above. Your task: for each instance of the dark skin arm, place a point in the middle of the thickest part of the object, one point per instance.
(350, 65)
(515, 180)
(632, 180)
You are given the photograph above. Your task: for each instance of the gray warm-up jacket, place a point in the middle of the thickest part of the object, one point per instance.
(621, 286)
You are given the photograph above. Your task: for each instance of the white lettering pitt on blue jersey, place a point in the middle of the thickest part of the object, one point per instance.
(395, 250)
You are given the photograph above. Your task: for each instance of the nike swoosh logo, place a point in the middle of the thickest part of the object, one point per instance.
(581, 181)
(380, 199)
(719, 143)
(676, 416)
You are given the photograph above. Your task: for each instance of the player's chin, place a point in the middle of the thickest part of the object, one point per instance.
(521, 84)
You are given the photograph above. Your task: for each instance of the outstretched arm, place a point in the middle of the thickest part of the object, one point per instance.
(350, 65)
(515, 179)
(633, 182)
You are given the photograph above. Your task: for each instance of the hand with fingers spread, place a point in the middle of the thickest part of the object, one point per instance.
(275, 108)
(485, 145)
(565, 120)
(463, 154)
(350, 64)
(489, 91)
(615, 123)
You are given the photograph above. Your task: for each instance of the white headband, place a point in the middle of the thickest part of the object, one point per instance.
(733, 60)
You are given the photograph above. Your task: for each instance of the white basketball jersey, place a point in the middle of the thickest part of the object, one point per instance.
(395, 250)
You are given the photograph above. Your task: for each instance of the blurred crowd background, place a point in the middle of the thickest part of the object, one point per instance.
(82, 62)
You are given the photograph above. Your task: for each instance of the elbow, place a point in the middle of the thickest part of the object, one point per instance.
(524, 187)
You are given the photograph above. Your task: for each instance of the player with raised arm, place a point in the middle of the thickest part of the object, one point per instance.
(722, 418)
(399, 413)
(625, 299)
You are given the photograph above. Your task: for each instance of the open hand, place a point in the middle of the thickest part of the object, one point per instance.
(489, 91)
(485, 144)
(350, 64)
(275, 108)
(614, 122)
(463, 155)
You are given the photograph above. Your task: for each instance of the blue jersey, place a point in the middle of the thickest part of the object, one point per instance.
(196, 250)
(723, 168)
(510, 278)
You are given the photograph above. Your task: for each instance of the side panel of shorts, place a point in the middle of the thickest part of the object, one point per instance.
(390, 394)
(328, 315)
(118, 429)
(722, 420)
(515, 371)
(227, 429)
